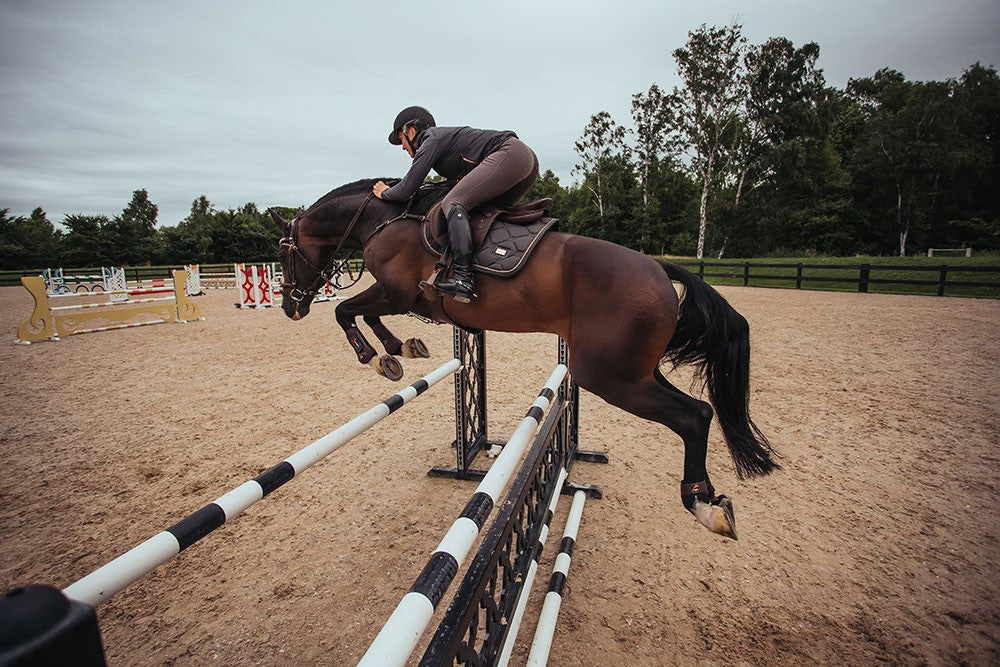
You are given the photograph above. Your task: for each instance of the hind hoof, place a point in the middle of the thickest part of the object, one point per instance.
(717, 516)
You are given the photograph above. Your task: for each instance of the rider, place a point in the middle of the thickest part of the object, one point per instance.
(492, 165)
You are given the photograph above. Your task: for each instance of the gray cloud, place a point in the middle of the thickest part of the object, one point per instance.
(246, 101)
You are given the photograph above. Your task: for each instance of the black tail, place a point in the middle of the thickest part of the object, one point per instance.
(714, 337)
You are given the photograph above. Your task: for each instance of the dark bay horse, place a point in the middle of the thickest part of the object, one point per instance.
(617, 310)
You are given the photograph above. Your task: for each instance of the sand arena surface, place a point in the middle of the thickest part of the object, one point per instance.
(876, 544)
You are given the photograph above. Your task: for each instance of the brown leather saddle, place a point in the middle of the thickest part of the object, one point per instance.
(504, 238)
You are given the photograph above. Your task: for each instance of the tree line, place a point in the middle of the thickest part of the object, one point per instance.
(132, 238)
(752, 154)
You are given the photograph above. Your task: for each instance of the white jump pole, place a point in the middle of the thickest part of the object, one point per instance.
(401, 633)
(546, 628)
(132, 565)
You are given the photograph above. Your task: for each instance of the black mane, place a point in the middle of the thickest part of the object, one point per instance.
(426, 196)
(355, 188)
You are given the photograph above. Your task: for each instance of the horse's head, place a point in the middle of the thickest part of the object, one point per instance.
(301, 258)
(340, 220)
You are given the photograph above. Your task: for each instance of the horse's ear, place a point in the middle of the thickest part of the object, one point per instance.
(278, 220)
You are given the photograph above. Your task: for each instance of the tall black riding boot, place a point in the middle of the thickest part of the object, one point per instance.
(460, 284)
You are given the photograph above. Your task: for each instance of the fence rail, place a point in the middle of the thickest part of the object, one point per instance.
(864, 276)
(132, 273)
(946, 278)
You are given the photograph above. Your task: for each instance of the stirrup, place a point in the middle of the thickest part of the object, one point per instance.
(459, 290)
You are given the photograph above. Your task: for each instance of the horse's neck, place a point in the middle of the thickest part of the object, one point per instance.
(336, 223)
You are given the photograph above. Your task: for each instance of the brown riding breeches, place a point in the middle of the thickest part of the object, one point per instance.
(505, 175)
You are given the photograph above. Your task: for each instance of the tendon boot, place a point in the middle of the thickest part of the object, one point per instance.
(459, 284)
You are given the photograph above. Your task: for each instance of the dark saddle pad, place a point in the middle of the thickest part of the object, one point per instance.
(504, 238)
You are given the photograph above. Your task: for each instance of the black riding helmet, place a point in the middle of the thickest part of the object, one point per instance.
(419, 117)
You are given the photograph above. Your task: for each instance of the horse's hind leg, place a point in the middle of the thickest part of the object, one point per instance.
(652, 397)
(697, 494)
(413, 348)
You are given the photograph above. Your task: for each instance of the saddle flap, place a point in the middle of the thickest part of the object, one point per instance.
(502, 249)
(483, 217)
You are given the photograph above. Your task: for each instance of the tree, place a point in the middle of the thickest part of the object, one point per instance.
(907, 149)
(968, 210)
(789, 188)
(131, 235)
(86, 243)
(706, 108)
(602, 142)
(651, 114)
(27, 243)
(784, 92)
(548, 186)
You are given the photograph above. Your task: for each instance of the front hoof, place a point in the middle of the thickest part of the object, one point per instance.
(387, 367)
(414, 348)
(716, 515)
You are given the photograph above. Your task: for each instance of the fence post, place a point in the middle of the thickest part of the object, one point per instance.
(798, 276)
(701, 270)
(746, 273)
(866, 270)
(942, 279)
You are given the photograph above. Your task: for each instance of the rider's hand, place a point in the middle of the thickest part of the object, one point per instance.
(379, 188)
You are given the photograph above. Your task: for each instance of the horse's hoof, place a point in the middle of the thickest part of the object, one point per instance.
(716, 515)
(414, 348)
(387, 367)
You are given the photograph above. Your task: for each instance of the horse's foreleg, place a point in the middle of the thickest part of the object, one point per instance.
(370, 303)
(413, 348)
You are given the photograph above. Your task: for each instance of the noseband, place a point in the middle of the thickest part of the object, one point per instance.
(325, 275)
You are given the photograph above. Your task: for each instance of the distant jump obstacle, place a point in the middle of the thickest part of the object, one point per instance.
(483, 617)
(259, 287)
(53, 317)
(112, 279)
(967, 252)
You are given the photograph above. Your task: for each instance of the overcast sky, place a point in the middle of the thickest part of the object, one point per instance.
(278, 103)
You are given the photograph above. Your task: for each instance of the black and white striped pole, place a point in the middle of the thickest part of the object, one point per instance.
(401, 633)
(111, 578)
(529, 578)
(546, 628)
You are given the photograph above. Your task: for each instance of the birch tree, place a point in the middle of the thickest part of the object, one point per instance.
(652, 118)
(603, 139)
(706, 108)
(908, 145)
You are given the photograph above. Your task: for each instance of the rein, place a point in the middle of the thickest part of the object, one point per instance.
(405, 215)
(332, 267)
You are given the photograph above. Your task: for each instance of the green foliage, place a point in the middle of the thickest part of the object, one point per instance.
(132, 239)
(27, 241)
(209, 236)
(751, 155)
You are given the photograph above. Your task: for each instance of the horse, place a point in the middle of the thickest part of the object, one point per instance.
(617, 310)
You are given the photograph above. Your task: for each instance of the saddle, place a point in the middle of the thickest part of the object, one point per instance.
(504, 238)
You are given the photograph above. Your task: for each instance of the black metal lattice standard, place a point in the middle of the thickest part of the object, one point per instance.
(478, 621)
(470, 406)
(471, 436)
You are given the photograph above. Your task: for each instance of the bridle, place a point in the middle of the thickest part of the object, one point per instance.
(333, 267)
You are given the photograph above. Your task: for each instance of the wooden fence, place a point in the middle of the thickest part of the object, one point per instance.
(943, 279)
(863, 276)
